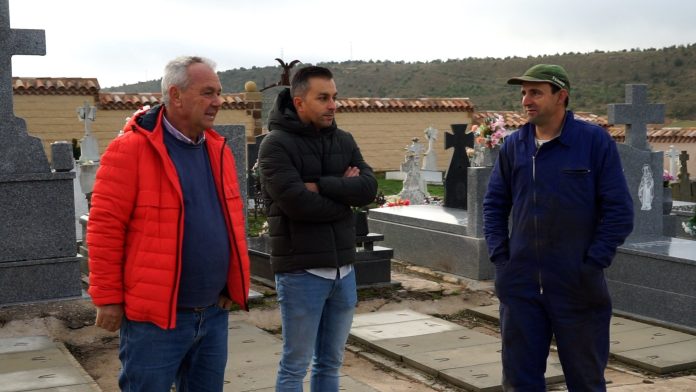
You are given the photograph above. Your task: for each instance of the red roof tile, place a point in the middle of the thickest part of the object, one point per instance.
(660, 135)
(55, 86)
(127, 101)
(514, 120)
(345, 105)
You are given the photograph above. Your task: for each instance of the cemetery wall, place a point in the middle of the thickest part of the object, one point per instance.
(54, 117)
(382, 136)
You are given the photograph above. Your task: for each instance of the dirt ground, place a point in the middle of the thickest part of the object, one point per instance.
(72, 323)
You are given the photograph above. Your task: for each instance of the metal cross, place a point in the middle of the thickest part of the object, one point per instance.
(14, 42)
(636, 113)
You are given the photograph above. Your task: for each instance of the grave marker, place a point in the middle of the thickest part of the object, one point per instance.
(642, 167)
(456, 177)
(39, 259)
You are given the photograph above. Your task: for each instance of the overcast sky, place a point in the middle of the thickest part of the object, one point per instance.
(127, 41)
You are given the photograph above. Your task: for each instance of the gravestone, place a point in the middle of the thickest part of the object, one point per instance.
(684, 189)
(236, 140)
(89, 152)
(414, 188)
(673, 157)
(456, 177)
(642, 167)
(649, 270)
(430, 157)
(38, 255)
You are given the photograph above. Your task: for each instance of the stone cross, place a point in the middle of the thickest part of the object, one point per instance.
(14, 42)
(673, 156)
(456, 179)
(636, 113)
(683, 158)
(87, 114)
(89, 146)
(430, 159)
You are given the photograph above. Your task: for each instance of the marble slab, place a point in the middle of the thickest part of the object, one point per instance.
(449, 220)
(489, 377)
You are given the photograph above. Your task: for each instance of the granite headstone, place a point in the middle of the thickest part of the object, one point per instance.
(38, 253)
(642, 167)
(456, 177)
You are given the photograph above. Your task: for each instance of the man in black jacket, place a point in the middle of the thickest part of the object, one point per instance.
(311, 174)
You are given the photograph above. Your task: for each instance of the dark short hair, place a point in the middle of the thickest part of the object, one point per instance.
(555, 89)
(300, 81)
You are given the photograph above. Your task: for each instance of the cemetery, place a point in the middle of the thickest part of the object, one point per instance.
(428, 316)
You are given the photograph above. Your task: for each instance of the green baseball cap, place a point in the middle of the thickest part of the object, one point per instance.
(554, 74)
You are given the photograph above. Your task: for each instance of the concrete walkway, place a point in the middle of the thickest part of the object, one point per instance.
(447, 351)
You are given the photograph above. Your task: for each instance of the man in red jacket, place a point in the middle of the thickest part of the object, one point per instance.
(168, 254)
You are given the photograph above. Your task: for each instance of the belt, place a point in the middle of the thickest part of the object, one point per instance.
(197, 309)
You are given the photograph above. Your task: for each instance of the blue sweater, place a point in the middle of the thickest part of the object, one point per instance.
(206, 248)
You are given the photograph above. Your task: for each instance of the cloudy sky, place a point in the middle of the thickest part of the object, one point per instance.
(127, 41)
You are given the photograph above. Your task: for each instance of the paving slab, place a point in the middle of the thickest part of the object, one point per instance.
(404, 329)
(346, 384)
(32, 360)
(645, 337)
(434, 361)
(29, 380)
(460, 355)
(489, 377)
(253, 361)
(652, 348)
(400, 347)
(488, 312)
(28, 343)
(250, 378)
(662, 359)
(621, 324)
(37, 363)
(388, 317)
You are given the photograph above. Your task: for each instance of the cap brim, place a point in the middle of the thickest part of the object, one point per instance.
(522, 79)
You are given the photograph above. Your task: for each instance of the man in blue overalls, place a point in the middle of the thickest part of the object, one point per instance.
(562, 180)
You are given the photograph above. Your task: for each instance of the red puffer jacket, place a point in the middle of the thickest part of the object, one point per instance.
(135, 227)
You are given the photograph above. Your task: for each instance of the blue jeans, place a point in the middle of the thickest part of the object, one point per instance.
(193, 355)
(316, 314)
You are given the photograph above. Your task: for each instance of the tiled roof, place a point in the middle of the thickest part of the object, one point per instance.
(55, 86)
(127, 101)
(514, 120)
(404, 105)
(661, 135)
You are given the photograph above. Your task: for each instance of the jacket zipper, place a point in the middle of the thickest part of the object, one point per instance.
(536, 219)
(230, 228)
(172, 299)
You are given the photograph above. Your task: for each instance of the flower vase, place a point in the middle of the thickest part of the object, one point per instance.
(490, 155)
(666, 200)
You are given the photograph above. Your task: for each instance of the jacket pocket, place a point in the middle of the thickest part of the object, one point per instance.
(576, 187)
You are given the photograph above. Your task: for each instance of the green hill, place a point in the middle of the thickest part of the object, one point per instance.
(597, 78)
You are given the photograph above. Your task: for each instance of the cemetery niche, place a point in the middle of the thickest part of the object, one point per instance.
(38, 257)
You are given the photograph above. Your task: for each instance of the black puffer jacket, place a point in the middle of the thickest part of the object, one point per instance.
(309, 229)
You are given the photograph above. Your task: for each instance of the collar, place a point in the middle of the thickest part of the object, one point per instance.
(178, 135)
